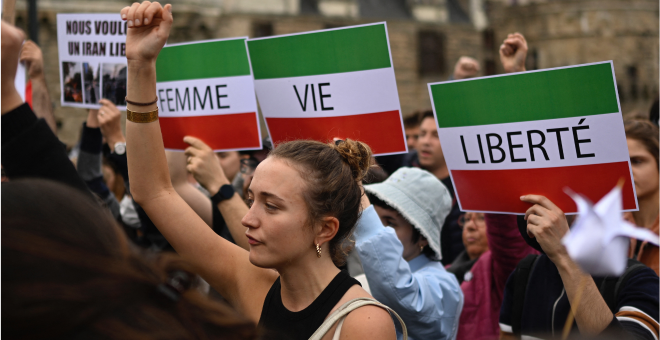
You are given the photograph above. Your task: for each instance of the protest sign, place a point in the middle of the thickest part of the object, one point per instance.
(20, 80)
(534, 132)
(206, 90)
(329, 83)
(92, 56)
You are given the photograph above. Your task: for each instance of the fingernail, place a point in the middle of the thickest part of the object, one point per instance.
(130, 23)
(137, 22)
(522, 197)
(123, 16)
(146, 21)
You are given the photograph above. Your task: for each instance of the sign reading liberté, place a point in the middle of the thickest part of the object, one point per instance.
(92, 57)
(334, 83)
(535, 132)
(206, 90)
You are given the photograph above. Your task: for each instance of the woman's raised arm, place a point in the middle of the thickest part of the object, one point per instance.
(224, 265)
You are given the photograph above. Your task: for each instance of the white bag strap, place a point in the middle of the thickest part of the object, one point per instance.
(341, 313)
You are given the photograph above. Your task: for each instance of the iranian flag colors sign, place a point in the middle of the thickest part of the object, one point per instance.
(206, 90)
(535, 132)
(336, 83)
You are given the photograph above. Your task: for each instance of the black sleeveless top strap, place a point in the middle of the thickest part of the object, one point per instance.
(280, 323)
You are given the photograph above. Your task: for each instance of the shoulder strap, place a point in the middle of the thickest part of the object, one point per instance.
(520, 280)
(348, 307)
(611, 285)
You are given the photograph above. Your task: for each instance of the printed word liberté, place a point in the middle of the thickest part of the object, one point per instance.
(536, 141)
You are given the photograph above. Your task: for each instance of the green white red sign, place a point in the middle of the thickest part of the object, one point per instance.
(206, 90)
(335, 83)
(534, 132)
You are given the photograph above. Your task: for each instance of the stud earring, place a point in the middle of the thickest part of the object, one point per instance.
(421, 248)
(318, 251)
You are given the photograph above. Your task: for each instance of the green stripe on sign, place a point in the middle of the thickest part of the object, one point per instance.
(561, 93)
(334, 51)
(212, 59)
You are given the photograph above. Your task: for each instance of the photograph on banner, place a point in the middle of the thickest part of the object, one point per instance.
(205, 90)
(92, 58)
(334, 83)
(536, 132)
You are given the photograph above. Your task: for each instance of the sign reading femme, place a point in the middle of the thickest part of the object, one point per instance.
(535, 132)
(335, 83)
(92, 53)
(206, 90)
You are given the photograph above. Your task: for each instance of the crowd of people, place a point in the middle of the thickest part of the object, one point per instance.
(119, 238)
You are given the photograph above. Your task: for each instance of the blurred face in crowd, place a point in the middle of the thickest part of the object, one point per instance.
(277, 219)
(644, 169)
(404, 231)
(474, 234)
(428, 146)
(230, 162)
(412, 135)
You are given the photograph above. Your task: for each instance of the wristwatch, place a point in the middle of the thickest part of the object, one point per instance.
(226, 192)
(120, 148)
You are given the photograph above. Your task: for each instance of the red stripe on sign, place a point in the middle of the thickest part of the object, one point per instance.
(382, 131)
(500, 190)
(230, 131)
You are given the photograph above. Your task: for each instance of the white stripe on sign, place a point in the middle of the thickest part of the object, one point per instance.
(205, 97)
(329, 95)
(555, 143)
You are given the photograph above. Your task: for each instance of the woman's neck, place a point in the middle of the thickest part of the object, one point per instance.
(648, 210)
(303, 282)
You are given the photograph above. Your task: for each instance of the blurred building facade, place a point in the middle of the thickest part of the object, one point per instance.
(426, 36)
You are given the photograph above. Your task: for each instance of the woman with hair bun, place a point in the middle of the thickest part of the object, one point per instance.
(304, 202)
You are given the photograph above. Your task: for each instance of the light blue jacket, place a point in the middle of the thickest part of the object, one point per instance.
(422, 292)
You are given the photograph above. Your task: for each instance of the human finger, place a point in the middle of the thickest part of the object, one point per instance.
(139, 13)
(151, 11)
(131, 14)
(542, 201)
(124, 12)
(192, 152)
(196, 143)
(535, 210)
(168, 19)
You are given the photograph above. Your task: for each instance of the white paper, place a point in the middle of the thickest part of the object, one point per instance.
(599, 238)
(92, 57)
(20, 81)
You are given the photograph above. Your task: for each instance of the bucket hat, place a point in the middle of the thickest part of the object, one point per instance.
(420, 198)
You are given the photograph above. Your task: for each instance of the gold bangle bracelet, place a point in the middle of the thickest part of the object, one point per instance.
(142, 117)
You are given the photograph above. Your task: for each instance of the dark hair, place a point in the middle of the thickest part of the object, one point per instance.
(427, 114)
(70, 272)
(412, 120)
(333, 173)
(646, 133)
(416, 234)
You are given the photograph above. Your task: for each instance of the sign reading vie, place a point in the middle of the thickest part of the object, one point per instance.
(92, 53)
(206, 90)
(330, 83)
(535, 132)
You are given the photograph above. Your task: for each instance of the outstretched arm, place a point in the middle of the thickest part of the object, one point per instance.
(34, 60)
(176, 162)
(222, 264)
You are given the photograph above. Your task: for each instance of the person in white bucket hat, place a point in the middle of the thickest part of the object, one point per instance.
(401, 263)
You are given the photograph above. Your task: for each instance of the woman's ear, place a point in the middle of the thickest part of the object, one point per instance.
(423, 242)
(327, 229)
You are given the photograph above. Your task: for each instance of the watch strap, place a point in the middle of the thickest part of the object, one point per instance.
(226, 192)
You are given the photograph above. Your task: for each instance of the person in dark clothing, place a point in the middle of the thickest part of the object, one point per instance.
(555, 281)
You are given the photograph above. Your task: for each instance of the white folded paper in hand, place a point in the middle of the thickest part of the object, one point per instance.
(599, 239)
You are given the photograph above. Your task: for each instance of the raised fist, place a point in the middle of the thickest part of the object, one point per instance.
(466, 67)
(513, 52)
(149, 27)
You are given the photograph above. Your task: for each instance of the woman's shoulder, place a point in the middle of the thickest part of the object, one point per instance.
(371, 322)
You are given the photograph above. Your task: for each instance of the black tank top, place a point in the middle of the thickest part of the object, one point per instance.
(280, 323)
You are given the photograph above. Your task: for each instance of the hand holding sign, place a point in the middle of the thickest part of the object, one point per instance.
(204, 165)
(33, 58)
(109, 119)
(513, 52)
(149, 27)
(547, 223)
